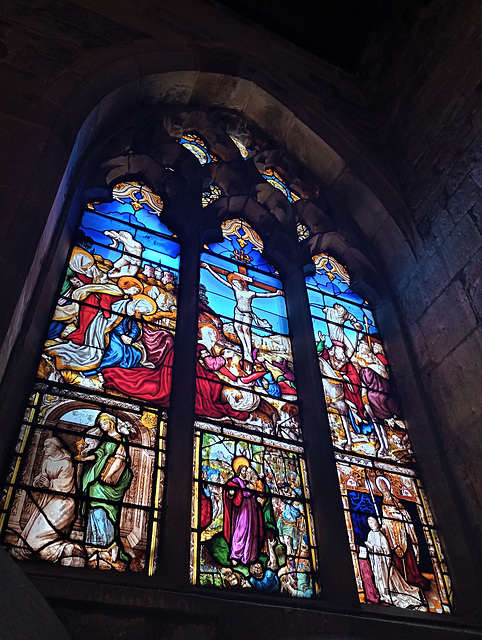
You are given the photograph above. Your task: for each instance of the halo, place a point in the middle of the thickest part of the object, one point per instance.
(148, 289)
(104, 266)
(126, 282)
(80, 251)
(236, 276)
(208, 324)
(103, 414)
(141, 296)
(381, 479)
(240, 461)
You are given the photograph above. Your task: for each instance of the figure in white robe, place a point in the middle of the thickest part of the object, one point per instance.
(129, 263)
(336, 317)
(53, 513)
(88, 355)
(393, 589)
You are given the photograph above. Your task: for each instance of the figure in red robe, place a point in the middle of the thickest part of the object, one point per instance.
(154, 385)
(337, 358)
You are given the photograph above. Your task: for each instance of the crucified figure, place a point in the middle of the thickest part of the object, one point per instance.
(244, 315)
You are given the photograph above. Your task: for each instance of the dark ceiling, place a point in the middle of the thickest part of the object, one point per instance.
(335, 30)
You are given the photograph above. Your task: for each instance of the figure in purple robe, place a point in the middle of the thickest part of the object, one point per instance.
(243, 522)
(375, 380)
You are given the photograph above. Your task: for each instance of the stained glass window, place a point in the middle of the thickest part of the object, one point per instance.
(302, 232)
(210, 195)
(272, 176)
(197, 146)
(85, 486)
(86, 483)
(251, 516)
(394, 543)
(241, 146)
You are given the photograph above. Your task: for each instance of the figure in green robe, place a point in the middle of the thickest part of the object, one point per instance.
(105, 479)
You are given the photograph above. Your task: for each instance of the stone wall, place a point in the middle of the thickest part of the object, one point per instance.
(423, 75)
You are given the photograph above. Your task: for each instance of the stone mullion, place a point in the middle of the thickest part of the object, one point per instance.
(334, 561)
(174, 555)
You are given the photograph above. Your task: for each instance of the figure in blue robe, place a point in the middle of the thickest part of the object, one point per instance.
(118, 353)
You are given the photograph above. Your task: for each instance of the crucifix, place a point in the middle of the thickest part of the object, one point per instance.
(244, 316)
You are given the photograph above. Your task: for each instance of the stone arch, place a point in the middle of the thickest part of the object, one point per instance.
(108, 67)
(358, 197)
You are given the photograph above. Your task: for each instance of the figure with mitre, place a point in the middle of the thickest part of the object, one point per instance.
(392, 587)
(398, 527)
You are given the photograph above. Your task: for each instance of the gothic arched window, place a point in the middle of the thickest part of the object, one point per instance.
(86, 483)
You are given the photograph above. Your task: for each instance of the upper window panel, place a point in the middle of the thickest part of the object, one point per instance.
(197, 147)
(395, 548)
(113, 326)
(275, 180)
(241, 245)
(243, 150)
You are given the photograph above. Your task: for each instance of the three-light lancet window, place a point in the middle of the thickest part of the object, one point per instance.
(86, 483)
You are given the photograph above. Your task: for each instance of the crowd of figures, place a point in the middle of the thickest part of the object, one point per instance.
(84, 492)
(112, 333)
(253, 522)
(253, 526)
(113, 324)
(389, 526)
(113, 330)
(365, 419)
(244, 371)
(362, 408)
(253, 516)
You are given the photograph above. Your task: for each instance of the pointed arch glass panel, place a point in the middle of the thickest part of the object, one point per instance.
(85, 486)
(396, 552)
(197, 147)
(275, 180)
(251, 515)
